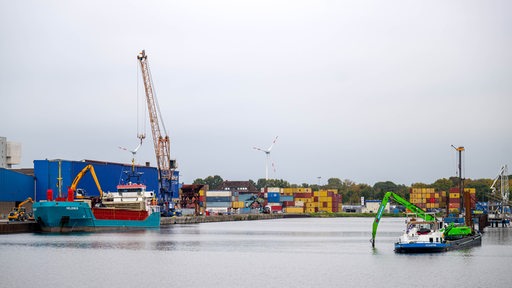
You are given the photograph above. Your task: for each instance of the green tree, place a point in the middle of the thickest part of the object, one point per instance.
(382, 187)
(213, 182)
(482, 187)
(262, 183)
(442, 185)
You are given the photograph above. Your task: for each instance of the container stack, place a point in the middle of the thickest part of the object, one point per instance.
(300, 201)
(454, 200)
(472, 196)
(274, 199)
(219, 201)
(327, 201)
(427, 198)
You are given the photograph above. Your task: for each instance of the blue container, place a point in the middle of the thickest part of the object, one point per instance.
(286, 198)
(273, 197)
(15, 186)
(218, 199)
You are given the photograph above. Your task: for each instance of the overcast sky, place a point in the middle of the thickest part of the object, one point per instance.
(362, 90)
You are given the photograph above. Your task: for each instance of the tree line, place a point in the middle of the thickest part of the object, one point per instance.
(352, 192)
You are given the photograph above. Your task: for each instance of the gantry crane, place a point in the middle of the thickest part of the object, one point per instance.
(161, 141)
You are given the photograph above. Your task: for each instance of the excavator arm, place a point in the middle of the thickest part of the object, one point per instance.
(397, 198)
(81, 174)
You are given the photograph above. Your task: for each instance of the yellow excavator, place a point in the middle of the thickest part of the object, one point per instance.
(19, 213)
(80, 193)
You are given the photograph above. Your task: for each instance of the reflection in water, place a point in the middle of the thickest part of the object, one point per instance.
(286, 252)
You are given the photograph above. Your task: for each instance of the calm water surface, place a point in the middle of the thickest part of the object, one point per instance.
(306, 252)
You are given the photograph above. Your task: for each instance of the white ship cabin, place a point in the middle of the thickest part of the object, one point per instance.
(130, 193)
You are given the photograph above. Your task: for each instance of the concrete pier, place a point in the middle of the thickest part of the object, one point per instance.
(18, 227)
(216, 218)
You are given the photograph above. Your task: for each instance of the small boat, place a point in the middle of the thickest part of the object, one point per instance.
(130, 207)
(423, 236)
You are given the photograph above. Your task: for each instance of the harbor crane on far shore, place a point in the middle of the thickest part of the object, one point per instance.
(161, 140)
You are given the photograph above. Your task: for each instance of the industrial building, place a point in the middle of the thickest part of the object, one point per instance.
(10, 153)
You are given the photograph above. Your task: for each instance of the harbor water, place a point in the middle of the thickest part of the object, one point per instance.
(299, 252)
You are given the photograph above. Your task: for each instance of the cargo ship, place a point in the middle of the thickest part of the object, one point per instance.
(130, 207)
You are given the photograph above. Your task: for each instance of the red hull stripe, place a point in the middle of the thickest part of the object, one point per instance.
(119, 214)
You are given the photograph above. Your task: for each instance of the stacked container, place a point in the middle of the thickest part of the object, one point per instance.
(301, 199)
(428, 199)
(219, 201)
(454, 200)
(327, 200)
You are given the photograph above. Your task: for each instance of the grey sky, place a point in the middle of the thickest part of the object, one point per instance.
(361, 90)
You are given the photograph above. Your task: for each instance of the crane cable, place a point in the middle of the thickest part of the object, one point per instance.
(144, 118)
(155, 98)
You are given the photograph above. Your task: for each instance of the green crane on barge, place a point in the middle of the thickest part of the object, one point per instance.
(399, 199)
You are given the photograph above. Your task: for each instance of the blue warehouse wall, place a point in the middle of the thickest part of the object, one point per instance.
(109, 176)
(15, 186)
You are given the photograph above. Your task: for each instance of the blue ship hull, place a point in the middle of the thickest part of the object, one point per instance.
(55, 216)
(448, 245)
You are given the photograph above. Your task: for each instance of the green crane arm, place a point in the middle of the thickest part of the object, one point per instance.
(402, 201)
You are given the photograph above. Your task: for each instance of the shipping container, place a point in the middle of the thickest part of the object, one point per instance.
(294, 210)
(276, 208)
(303, 195)
(218, 210)
(321, 193)
(273, 197)
(288, 203)
(238, 204)
(454, 195)
(218, 204)
(222, 193)
(312, 205)
(218, 199)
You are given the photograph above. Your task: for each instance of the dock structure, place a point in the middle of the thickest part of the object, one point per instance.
(495, 222)
(13, 227)
(32, 226)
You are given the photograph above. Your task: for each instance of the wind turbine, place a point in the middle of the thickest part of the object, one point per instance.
(267, 152)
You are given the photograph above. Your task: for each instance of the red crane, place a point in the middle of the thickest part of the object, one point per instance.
(161, 142)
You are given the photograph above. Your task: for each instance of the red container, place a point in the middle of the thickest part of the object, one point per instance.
(276, 208)
(49, 194)
(288, 203)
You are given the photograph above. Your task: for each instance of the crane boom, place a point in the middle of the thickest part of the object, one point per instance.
(81, 174)
(161, 142)
(413, 208)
